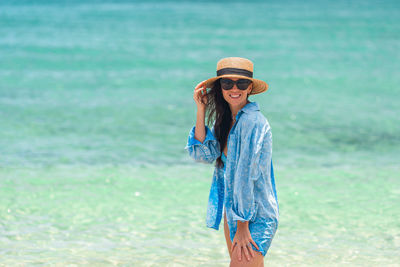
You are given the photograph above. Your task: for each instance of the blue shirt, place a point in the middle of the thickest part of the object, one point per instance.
(246, 184)
(223, 158)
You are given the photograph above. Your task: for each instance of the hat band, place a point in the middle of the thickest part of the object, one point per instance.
(235, 71)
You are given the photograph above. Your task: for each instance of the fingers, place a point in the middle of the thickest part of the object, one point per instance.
(239, 253)
(201, 84)
(202, 98)
(245, 249)
(251, 250)
(200, 92)
(244, 244)
(255, 244)
(246, 252)
(200, 89)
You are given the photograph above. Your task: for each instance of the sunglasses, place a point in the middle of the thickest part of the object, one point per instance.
(241, 84)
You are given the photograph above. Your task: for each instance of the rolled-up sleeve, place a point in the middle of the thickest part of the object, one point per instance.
(206, 152)
(249, 169)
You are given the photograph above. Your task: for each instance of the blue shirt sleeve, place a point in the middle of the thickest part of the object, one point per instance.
(254, 147)
(206, 152)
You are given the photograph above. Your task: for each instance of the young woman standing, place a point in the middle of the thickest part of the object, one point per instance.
(240, 141)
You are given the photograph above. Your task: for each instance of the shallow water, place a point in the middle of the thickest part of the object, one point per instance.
(96, 105)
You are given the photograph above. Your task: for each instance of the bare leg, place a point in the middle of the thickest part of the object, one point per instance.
(256, 261)
(227, 236)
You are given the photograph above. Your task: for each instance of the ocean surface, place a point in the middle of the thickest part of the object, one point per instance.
(96, 103)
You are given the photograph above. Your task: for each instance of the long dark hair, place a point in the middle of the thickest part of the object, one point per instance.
(219, 112)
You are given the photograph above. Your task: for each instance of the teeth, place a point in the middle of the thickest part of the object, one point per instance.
(235, 96)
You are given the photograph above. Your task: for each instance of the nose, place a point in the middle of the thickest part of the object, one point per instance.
(235, 89)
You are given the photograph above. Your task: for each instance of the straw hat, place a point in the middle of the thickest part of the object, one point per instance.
(237, 67)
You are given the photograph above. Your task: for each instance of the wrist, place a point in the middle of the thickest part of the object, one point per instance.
(242, 225)
(201, 109)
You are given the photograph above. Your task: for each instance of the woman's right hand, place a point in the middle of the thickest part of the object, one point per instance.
(200, 95)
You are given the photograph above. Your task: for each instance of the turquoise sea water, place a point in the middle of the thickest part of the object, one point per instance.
(96, 105)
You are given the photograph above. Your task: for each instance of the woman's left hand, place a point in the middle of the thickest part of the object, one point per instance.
(243, 240)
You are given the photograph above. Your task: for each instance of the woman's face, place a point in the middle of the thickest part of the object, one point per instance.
(235, 96)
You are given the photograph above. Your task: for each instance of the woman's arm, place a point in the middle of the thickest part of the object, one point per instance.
(200, 132)
(202, 144)
(200, 98)
(254, 162)
(252, 136)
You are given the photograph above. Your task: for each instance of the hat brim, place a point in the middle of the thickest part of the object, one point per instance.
(258, 85)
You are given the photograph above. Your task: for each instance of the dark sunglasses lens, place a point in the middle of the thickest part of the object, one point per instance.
(226, 84)
(242, 84)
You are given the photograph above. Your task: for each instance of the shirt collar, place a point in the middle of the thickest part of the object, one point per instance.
(248, 108)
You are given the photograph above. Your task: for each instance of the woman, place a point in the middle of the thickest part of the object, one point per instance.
(240, 140)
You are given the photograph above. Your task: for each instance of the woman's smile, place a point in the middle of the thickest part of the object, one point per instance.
(235, 96)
